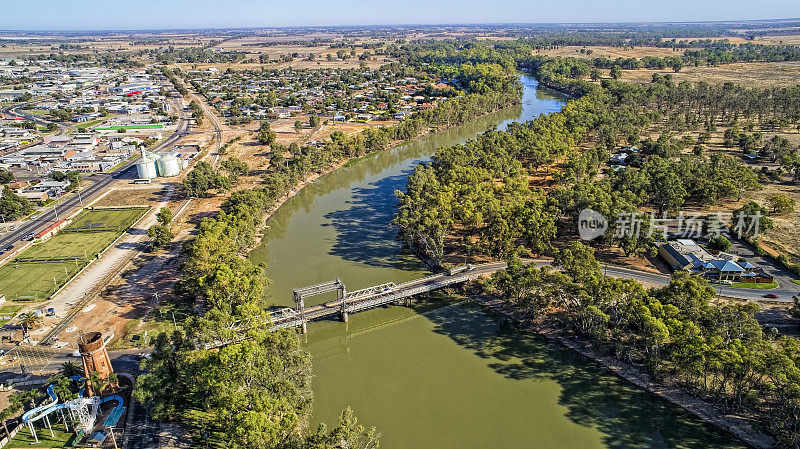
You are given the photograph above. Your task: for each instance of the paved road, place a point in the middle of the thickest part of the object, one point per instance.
(142, 432)
(782, 276)
(84, 288)
(37, 359)
(100, 182)
(17, 110)
(127, 360)
(386, 294)
(784, 292)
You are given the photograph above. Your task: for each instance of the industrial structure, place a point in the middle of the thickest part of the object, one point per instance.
(153, 165)
(83, 413)
(95, 358)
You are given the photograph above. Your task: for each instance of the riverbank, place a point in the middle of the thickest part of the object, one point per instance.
(291, 193)
(738, 426)
(406, 373)
(346, 162)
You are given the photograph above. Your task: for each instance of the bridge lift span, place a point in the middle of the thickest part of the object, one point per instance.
(301, 293)
(347, 303)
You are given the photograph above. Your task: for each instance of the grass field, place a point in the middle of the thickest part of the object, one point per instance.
(751, 74)
(38, 272)
(35, 111)
(109, 217)
(25, 439)
(609, 52)
(88, 124)
(132, 197)
(7, 312)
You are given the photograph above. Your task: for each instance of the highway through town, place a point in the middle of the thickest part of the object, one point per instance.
(100, 181)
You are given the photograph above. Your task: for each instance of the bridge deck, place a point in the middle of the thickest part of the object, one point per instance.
(371, 297)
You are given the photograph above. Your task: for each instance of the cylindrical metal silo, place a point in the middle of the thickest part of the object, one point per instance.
(168, 165)
(146, 168)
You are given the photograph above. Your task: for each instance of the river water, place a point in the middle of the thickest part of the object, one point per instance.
(444, 374)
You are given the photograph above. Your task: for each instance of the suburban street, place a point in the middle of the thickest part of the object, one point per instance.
(15, 110)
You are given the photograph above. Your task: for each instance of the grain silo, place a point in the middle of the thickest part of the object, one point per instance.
(168, 165)
(146, 167)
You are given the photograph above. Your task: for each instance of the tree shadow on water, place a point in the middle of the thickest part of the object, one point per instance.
(364, 231)
(594, 397)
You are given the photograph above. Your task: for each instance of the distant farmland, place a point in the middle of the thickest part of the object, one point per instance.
(38, 272)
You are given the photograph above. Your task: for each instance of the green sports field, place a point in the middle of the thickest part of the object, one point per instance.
(98, 218)
(43, 268)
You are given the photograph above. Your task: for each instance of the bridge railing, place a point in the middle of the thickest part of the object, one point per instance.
(359, 300)
(369, 291)
(272, 317)
(421, 280)
(324, 287)
(400, 292)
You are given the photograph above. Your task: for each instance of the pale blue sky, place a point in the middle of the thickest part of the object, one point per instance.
(165, 14)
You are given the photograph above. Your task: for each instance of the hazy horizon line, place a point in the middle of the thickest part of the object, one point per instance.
(393, 25)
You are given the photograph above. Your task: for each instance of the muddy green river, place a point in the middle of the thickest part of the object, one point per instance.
(444, 374)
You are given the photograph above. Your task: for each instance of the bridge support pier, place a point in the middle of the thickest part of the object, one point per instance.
(344, 317)
(304, 328)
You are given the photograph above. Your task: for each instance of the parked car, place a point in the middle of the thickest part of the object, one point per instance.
(8, 248)
(29, 236)
(724, 282)
(771, 295)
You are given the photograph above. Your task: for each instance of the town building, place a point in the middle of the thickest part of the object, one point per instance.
(687, 255)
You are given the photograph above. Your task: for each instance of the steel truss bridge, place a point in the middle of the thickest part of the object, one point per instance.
(347, 303)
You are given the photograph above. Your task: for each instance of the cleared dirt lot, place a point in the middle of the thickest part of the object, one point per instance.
(752, 74)
(610, 52)
(790, 39)
(785, 237)
(132, 196)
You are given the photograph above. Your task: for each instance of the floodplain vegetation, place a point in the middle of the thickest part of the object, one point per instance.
(267, 401)
(480, 199)
(476, 200)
